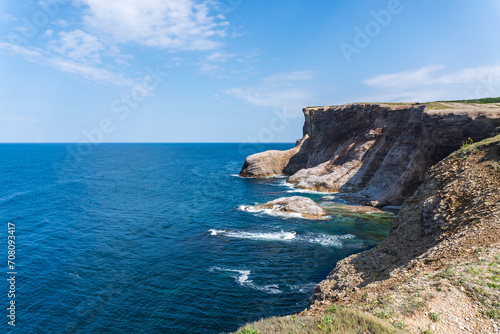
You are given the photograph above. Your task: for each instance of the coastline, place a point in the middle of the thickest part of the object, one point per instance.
(358, 282)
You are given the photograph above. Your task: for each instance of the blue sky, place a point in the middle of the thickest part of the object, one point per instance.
(230, 70)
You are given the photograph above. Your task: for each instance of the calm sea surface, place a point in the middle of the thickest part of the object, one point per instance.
(148, 238)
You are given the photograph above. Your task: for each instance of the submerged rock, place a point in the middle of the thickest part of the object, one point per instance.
(296, 204)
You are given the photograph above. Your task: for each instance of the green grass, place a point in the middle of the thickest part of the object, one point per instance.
(335, 320)
(493, 314)
(248, 331)
(447, 273)
(434, 316)
(412, 304)
(470, 146)
(479, 101)
(438, 106)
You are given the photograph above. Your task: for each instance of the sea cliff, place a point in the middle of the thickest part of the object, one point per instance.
(438, 270)
(378, 153)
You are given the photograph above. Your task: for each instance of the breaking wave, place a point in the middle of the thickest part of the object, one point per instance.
(242, 278)
(313, 238)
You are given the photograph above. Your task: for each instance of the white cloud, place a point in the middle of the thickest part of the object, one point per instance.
(429, 83)
(405, 79)
(29, 53)
(86, 71)
(80, 46)
(6, 117)
(277, 91)
(61, 23)
(287, 78)
(210, 64)
(89, 72)
(169, 24)
(91, 49)
(4, 17)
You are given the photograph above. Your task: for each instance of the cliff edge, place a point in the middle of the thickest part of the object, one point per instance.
(379, 153)
(443, 250)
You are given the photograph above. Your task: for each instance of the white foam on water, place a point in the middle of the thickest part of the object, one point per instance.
(271, 289)
(326, 240)
(278, 176)
(333, 198)
(14, 195)
(277, 236)
(242, 276)
(307, 191)
(303, 288)
(270, 212)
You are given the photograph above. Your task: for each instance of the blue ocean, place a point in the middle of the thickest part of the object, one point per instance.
(151, 238)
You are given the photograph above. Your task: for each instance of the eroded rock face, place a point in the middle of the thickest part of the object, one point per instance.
(378, 152)
(270, 163)
(296, 204)
(455, 210)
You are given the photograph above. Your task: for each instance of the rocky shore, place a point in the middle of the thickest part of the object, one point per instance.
(297, 205)
(446, 235)
(439, 269)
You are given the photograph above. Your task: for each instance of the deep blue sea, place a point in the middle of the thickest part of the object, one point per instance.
(149, 238)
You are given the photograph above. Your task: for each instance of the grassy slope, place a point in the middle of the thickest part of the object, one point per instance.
(334, 320)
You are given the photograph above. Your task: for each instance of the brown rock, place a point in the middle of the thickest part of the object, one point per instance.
(296, 204)
(269, 163)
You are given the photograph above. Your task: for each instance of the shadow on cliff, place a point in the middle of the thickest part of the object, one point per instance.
(454, 210)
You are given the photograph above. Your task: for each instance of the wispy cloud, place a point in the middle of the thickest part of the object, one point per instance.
(91, 47)
(85, 70)
(166, 24)
(211, 63)
(4, 17)
(277, 91)
(223, 63)
(6, 117)
(80, 46)
(90, 72)
(405, 79)
(430, 83)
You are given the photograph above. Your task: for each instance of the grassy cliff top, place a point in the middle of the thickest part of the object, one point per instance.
(488, 102)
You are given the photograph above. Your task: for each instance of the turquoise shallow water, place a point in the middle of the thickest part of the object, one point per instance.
(148, 238)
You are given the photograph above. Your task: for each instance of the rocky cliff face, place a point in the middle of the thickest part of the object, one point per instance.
(377, 152)
(452, 221)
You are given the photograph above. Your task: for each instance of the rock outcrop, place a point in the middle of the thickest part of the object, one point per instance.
(452, 217)
(379, 153)
(303, 206)
(270, 163)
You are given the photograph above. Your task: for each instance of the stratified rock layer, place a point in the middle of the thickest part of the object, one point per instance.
(269, 163)
(377, 152)
(455, 211)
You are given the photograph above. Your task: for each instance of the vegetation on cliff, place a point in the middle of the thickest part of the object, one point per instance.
(443, 251)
